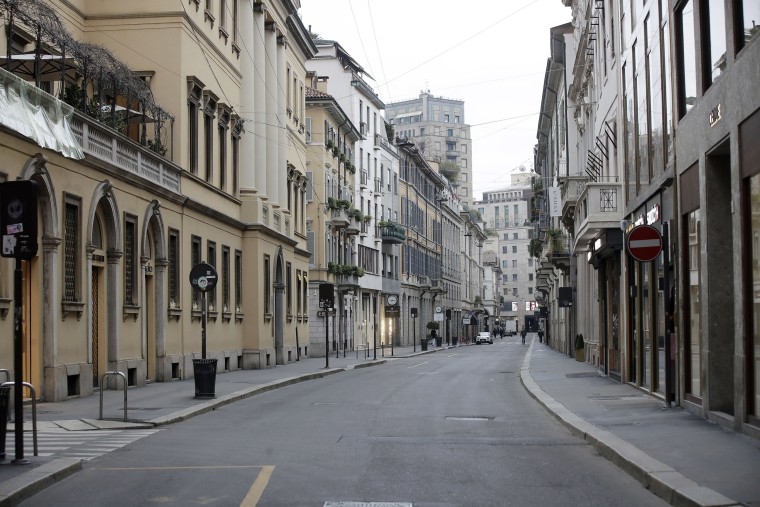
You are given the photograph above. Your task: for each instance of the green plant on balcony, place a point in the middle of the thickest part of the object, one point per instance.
(535, 247)
(336, 204)
(555, 240)
(342, 157)
(156, 146)
(330, 144)
(478, 300)
(335, 151)
(367, 218)
(356, 214)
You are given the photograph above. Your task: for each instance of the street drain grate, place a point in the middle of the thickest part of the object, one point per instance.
(470, 418)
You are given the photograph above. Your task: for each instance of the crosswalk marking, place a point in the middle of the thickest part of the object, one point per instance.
(78, 444)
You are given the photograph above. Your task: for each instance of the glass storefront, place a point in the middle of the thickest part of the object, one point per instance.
(754, 239)
(694, 314)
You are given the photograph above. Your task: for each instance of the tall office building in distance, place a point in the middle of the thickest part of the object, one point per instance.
(437, 126)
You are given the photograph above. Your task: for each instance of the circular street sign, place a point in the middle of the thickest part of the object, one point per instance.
(438, 309)
(644, 243)
(203, 277)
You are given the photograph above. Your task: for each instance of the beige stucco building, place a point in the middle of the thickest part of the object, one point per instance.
(190, 147)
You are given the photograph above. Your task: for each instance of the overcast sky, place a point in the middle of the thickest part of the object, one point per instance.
(490, 54)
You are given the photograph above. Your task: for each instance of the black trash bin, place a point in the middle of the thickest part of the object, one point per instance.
(439, 341)
(423, 345)
(454, 340)
(204, 371)
(5, 397)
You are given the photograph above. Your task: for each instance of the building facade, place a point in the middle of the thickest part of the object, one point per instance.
(162, 175)
(437, 126)
(658, 143)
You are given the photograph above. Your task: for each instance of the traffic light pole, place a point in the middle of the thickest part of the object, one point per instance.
(18, 365)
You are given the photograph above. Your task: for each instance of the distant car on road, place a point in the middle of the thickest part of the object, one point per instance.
(484, 337)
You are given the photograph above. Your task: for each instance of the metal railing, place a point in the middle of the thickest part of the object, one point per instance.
(34, 410)
(102, 388)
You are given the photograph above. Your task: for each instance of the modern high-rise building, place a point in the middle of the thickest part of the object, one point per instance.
(437, 126)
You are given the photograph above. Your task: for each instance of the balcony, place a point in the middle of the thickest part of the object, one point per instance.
(571, 189)
(381, 142)
(423, 282)
(558, 252)
(339, 218)
(436, 284)
(347, 282)
(378, 187)
(392, 233)
(103, 143)
(364, 179)
(600, 207)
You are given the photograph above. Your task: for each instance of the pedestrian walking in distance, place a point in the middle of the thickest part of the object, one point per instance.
(523, 333)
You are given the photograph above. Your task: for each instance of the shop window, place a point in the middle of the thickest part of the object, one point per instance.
(692, 223)
(754, 240)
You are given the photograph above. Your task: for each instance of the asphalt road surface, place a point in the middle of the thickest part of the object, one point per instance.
(453, 428)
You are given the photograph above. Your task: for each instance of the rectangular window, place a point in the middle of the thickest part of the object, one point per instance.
(715, 28)
(211, 294)
(749, 26)
(130, 260)
(225, 279)
(193, 108)
(304, 295)
(267, 282)
(238, 280)
(289, 288)
(208, 134)
(514, 249)
(298, 292)
(514, 277)
(514, 263)
(71, 250)
(514, 235)
(195, 259)
(234, 21)
(173, 268)
(687, 61)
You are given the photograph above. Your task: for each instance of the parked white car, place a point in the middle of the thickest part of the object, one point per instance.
(484, 337)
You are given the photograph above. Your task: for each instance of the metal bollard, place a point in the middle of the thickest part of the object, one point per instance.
(102, 388)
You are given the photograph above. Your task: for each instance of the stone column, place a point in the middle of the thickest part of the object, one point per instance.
(159, 281)
(247, 98)
(259, 162)
(271, 121)
(113, 303)
(282, 119)
(50, 301)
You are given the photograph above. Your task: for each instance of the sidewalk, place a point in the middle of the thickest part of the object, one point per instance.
(681, 458)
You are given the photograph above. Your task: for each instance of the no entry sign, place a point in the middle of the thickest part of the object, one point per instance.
(644, 243)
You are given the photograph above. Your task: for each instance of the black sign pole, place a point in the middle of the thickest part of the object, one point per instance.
(414, 333)
(374, 334)
(203, 325)
(327, 338)
(18, 364)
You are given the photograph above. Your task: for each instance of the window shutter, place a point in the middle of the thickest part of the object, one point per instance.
(309, 187)
(308, 130)
(310, 246)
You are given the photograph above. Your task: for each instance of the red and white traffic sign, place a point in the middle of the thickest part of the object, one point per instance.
(644, 243)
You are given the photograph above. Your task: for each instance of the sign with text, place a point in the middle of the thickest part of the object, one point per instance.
(555, 202)
(18, 219)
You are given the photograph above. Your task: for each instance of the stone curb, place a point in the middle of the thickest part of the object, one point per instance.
(654, 475)
(21, 487)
